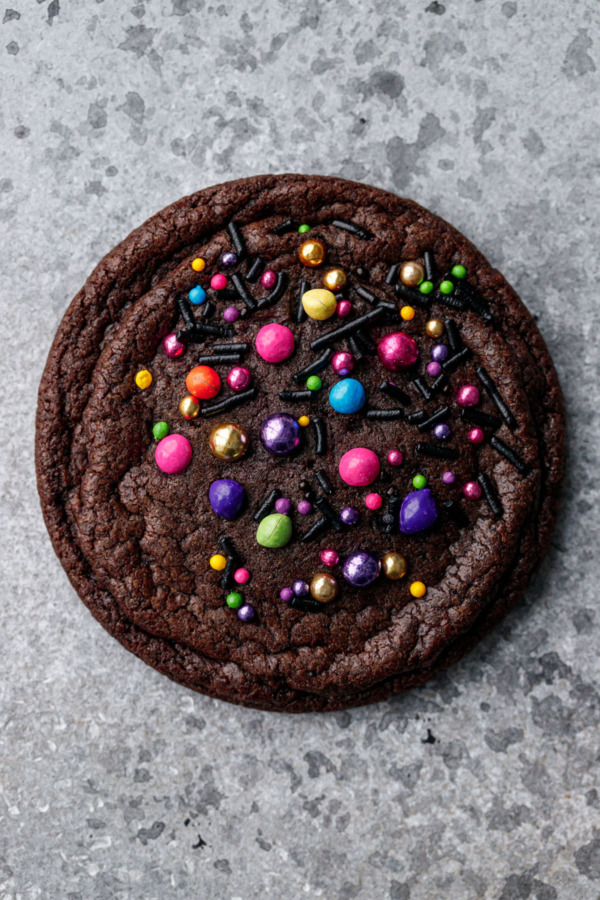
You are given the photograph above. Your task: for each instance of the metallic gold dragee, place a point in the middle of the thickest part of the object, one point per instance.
(412, 274)
(312, 253)
(189, 407)
(324, 588)
(228, 441)
(434, 328)
(394, 566)
(334, 279)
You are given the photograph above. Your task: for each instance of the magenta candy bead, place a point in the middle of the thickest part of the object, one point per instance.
(472, 490)
(448, 477)
(342, 363)
(274, 342)
(476, 435)
(172, 346)
(231, 314)
(304, 507)
(359, 467)
(395, 457)
(434, 369)
(373, 501)
(218, 282)
(173, 454)
(286, 594)
(467, 395)
(330, 557)
(397, 351)
(241, 576)
(268, 279)
(283, 506)
(344, 308)
(239, 378)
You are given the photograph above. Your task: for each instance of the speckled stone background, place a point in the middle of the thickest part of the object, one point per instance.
(118, 784)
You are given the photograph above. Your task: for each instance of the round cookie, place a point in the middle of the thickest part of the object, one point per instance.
(463, 412)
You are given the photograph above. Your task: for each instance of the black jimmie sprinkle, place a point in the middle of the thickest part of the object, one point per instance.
(313, 367)
(489, 492)
(228, 403)
(218, 359)
(437, 451)
(429, 265)
(284, 227)
(385, 415)
(324, 481)
(454, 341)
(351, 228)
(237, 240)
(392, 390)
(242, 291)
(453, 362)
(330, 336)
(367, 295)
(316, 529)
(421, 387)
(301, 316)
(277, 291)
(185, 309)
(495, 396)
(327, 509)
(295, 396)
(233, 349)
(392, 275)
(480, 418)
(267, 504)
(509, 454)
(255, 269)
(438, 416)
(321, 435)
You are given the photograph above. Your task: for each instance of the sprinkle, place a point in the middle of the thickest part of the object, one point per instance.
(349, 328)
(434, 368)
(329, 557)
(446, 286)
(329, 512)
(440, 382)
(441, 432)
(246, 613)
(295, 396)
(268, 279)
(476, 435)
(284, 227)
(365, 343)
(160, 430)
(392, 275)
(197, 295)
(234, 599)
(313, 367)
(475, 300)
(303, 421)
(493, 501)
(395, 457)
(392, 390)
(418, 589)
(416, 417)
(305, 507)
(434, 419)
(267, 504)
(454, 301)
(218, 282)
(314, 383)
(218, 562)
(241, 576)
(472, 490)
(186, 311)
(508, 453)
(143, 379)
(228, 403)
(373, 501)
(394, 504)
(198, 333)
(405, 293)
(233, 560)
(459, 271)
(301, 316)
(437, 451)
(207, 309)
(367, 295)
(480, 418)
(385, 415)
(323, 480)
(419, 482)
(283, 506)
(321, 435)
(221, 358)
(242, 290)
(421, 387)
(448, 477)
(198, 264)
(277, 293)
(229, 259)
(233, 349)
(351, 228)
(231, 314)
(494, 395)
(453, 335)
(304, 228)
(457, 360)
(407, 313)
(314, 530)
(237, 240)
(429, 265)
(426, 287)
(308, 490)
(355, 348)
(306, 605)
(254, 269)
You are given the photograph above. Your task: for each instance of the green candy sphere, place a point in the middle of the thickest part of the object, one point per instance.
(419, 481)
(274, 531)
(160, 430)
(304, 229)
(234, 600)
(446, 287)
(459, 271)
(314, 383)
(426, 287)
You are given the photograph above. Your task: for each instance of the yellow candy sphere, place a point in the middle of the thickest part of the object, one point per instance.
(198, 264)
(303, 421)
(319, 304)
(143, 379)
(189, 407)
(394, 566)
(228, 441)
(418, 589)
(334, 279)
(218, 562)
(407, 313)
(312, 253)
(324, 588)
(434, 328)
(412, 274)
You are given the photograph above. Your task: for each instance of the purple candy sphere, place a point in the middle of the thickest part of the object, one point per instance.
(361, 568)
(246, 612)
(231, 314)
(280, 434)
(448, 477)
(349, 515)
(434, 369)
(286, 594)
(226, 497)
(283, 506)
(229, 258)
(418, 512)
(239, 378)
(439, 353)
(300, 588)
(441, 432)
(304, 507)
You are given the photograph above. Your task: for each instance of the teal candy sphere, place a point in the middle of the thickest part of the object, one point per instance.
(347, 396)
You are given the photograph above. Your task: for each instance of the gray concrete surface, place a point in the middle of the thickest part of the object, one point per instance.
(118, 784)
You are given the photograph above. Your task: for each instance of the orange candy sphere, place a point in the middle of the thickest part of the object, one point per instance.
(203, 382)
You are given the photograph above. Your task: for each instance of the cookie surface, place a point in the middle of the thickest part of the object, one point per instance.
(135, 521)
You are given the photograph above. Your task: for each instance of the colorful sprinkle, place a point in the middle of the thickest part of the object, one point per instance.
(343, 309)
(241, 576)
(143, 379)
(347, 396)
(218, 562)
(234, 600)
(419, 482)
(468, 395)
(324, 588)
(434, 328)
(274, 531)
(373, 501)
(304, 421)
(197, 295)
(171, 346)
(412, 274)
(314, 383)
(268, 279)
(418, 589)
(361, 568)
(312, 253)
(198, 264)
(173, 454)
(231, 314)
(304, 228)
(426, 287)
(189, 407)
(397, 351)
(329, 557)
(319, 304)
(407, 313)
(160, 430)
(229, 259)
(203, 382)
(246, 613)
(283, 506)
(286, 594)
(434, 369)
(218, 282)
(395, 457)
(239, 378)
(394, 566)
(300, 588)
(304, 508)
(441, 431)
(459, 271)
(359, 467)
(472, 490)
(226, 497)
(448, 477)
(476, 435)
(440, 353)
(280, 434)
(342, 363)
(446, 287)
(349, 515)
(274, 343)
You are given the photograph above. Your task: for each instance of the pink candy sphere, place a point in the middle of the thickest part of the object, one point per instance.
(467, 395)
(397, 351)
(373, 501)
(476, 435)
(342, 363)
(173, 454)
(241, 576)
(268, 279)
(172, 346)
(239, 378)
(395, 457)
(218, 282)
(274, 342)
(472, 490)
(359, 467)
(330, 557)
(344, 308)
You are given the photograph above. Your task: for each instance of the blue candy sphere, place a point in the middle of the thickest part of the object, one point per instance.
(347, 396)
(197, 295)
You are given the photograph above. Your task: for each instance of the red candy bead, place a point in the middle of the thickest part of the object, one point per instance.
(476, 435)
(203, 382)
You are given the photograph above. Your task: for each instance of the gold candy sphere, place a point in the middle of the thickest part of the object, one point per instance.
(412, 274)
(228, 441)
(319, 304)
(334, 279)
(324, 588)
(312, 253)
(434, 328)
(394, 566)
(189, 407)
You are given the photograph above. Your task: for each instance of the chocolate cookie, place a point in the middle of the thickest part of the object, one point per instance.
(298, 445)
